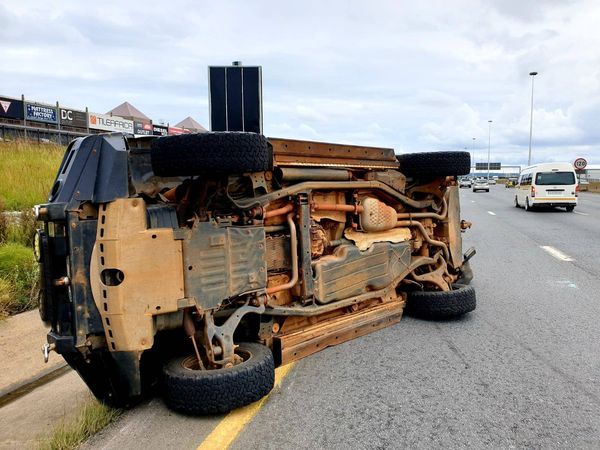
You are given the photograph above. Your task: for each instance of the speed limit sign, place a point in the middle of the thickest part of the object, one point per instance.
(580, 164)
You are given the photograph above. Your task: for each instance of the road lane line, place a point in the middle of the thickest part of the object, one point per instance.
(556, 253)
(580, 213)
(232, 425)
(491, 213)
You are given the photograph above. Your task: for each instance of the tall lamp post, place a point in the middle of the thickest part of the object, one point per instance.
(473, 156)
(489, 147)
(532, 74)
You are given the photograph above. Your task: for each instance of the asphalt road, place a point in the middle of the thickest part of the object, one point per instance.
(522, 371)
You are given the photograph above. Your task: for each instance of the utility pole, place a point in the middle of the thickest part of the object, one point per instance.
(489, 147)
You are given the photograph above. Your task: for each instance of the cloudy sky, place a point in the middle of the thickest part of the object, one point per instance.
(415, 76)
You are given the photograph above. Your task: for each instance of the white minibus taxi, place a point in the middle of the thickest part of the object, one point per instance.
(548, 184)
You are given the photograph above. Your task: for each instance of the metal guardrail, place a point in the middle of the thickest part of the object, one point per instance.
(13, 132)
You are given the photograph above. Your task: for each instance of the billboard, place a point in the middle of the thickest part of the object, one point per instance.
(235, 98)
(174, 131)
(159, 130)
(41, 113)
(105, 122)
(11, 109)
(142, 128)
(73, 118)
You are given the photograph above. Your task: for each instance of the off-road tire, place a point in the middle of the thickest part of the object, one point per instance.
(435, 164)
(441, 304)
(218, 391)
(215, 152)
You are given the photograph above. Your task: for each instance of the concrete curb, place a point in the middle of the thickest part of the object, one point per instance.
(18, 390)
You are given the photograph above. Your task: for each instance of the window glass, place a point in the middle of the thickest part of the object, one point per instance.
(560, 178)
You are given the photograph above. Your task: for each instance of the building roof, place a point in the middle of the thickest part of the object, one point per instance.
(128, 111)
(190, 124)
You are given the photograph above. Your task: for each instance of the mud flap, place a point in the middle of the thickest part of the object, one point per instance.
(114, 378)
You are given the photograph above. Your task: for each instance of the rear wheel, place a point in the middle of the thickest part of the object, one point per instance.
(570, 208)
(517, 202)
(528, 207)
(216, 152)
(193, 391)
(435, 164)
(441, 304)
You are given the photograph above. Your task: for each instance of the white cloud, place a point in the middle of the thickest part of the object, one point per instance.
(415, 76)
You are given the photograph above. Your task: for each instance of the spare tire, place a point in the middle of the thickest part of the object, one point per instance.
(193, 391)
(441, 304)
(435, 164)
(215, 152)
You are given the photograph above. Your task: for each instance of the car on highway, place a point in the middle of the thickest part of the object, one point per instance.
(547, 185)
(481, 184)
(465, 182)
(197, 263)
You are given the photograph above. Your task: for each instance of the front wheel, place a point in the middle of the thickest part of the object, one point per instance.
(193, 391)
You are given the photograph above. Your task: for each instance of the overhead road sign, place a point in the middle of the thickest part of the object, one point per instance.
(484, 166)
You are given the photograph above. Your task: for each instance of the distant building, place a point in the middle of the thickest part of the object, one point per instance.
(127, 111)
(190, 124)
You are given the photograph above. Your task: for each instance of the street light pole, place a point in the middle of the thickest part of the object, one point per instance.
(532, 74)
(473, 156)
(489, 147)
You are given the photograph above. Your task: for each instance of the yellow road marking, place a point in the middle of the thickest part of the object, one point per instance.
(232, 425)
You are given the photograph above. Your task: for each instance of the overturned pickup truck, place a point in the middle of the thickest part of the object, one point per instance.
(196, 264)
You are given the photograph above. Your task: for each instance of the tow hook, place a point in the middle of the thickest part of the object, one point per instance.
(46, 349)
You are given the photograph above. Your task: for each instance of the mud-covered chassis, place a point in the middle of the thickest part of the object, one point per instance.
(244, 244)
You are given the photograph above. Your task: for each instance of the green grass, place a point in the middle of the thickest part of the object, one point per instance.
(27, 172)
(18, 279)
(92, 418)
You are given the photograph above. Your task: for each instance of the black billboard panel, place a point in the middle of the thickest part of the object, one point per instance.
(159, 130)
(218, 98)
(11, 109)
(235, 113)
(142, 128)
(73, 118)
(252, 99)
(235, 98)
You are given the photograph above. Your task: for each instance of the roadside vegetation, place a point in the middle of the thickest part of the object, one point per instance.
(68, 435)
(27, 172)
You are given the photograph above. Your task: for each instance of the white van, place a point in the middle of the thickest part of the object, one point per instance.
(549, 184)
